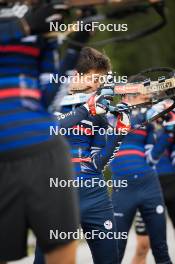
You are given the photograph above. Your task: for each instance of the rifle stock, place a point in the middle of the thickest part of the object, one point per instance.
(140, 88)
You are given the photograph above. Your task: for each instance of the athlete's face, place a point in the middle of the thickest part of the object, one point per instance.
(136, 99)
(88, 82)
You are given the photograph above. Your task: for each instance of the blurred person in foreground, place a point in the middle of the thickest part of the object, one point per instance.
(28, 153)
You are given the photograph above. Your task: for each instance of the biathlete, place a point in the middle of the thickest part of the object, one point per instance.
(143, 191)
(166, 172)
(90, 153)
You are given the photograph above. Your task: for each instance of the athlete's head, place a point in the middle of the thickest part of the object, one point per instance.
(91, 67)
(136, 98)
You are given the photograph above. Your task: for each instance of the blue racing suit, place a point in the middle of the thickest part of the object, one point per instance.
(91, 150)
(166, 175)
(166, 172)
(143, 191)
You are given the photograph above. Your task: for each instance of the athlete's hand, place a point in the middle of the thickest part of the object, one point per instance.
(123, 117)
(97, 104)
(158, 108)
(169, 122)
(123, 122)
(37, 20)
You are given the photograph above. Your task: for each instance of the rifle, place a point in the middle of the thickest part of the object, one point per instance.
(163, 88)
(146, 88)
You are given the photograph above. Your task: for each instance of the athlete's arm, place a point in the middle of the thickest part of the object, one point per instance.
(156, 147)
(163, 142)
(101, 155)
(94, 106)
(105, 146)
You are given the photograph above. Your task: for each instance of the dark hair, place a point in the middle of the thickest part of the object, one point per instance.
(92, 59)
(137, 78)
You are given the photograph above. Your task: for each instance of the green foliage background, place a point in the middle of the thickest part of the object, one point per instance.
(155, 50)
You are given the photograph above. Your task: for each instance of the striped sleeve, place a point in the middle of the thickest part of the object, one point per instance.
(164, 141)
(10, 29)
(51, 70)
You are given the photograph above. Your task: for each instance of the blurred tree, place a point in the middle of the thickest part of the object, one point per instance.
(154, 50)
